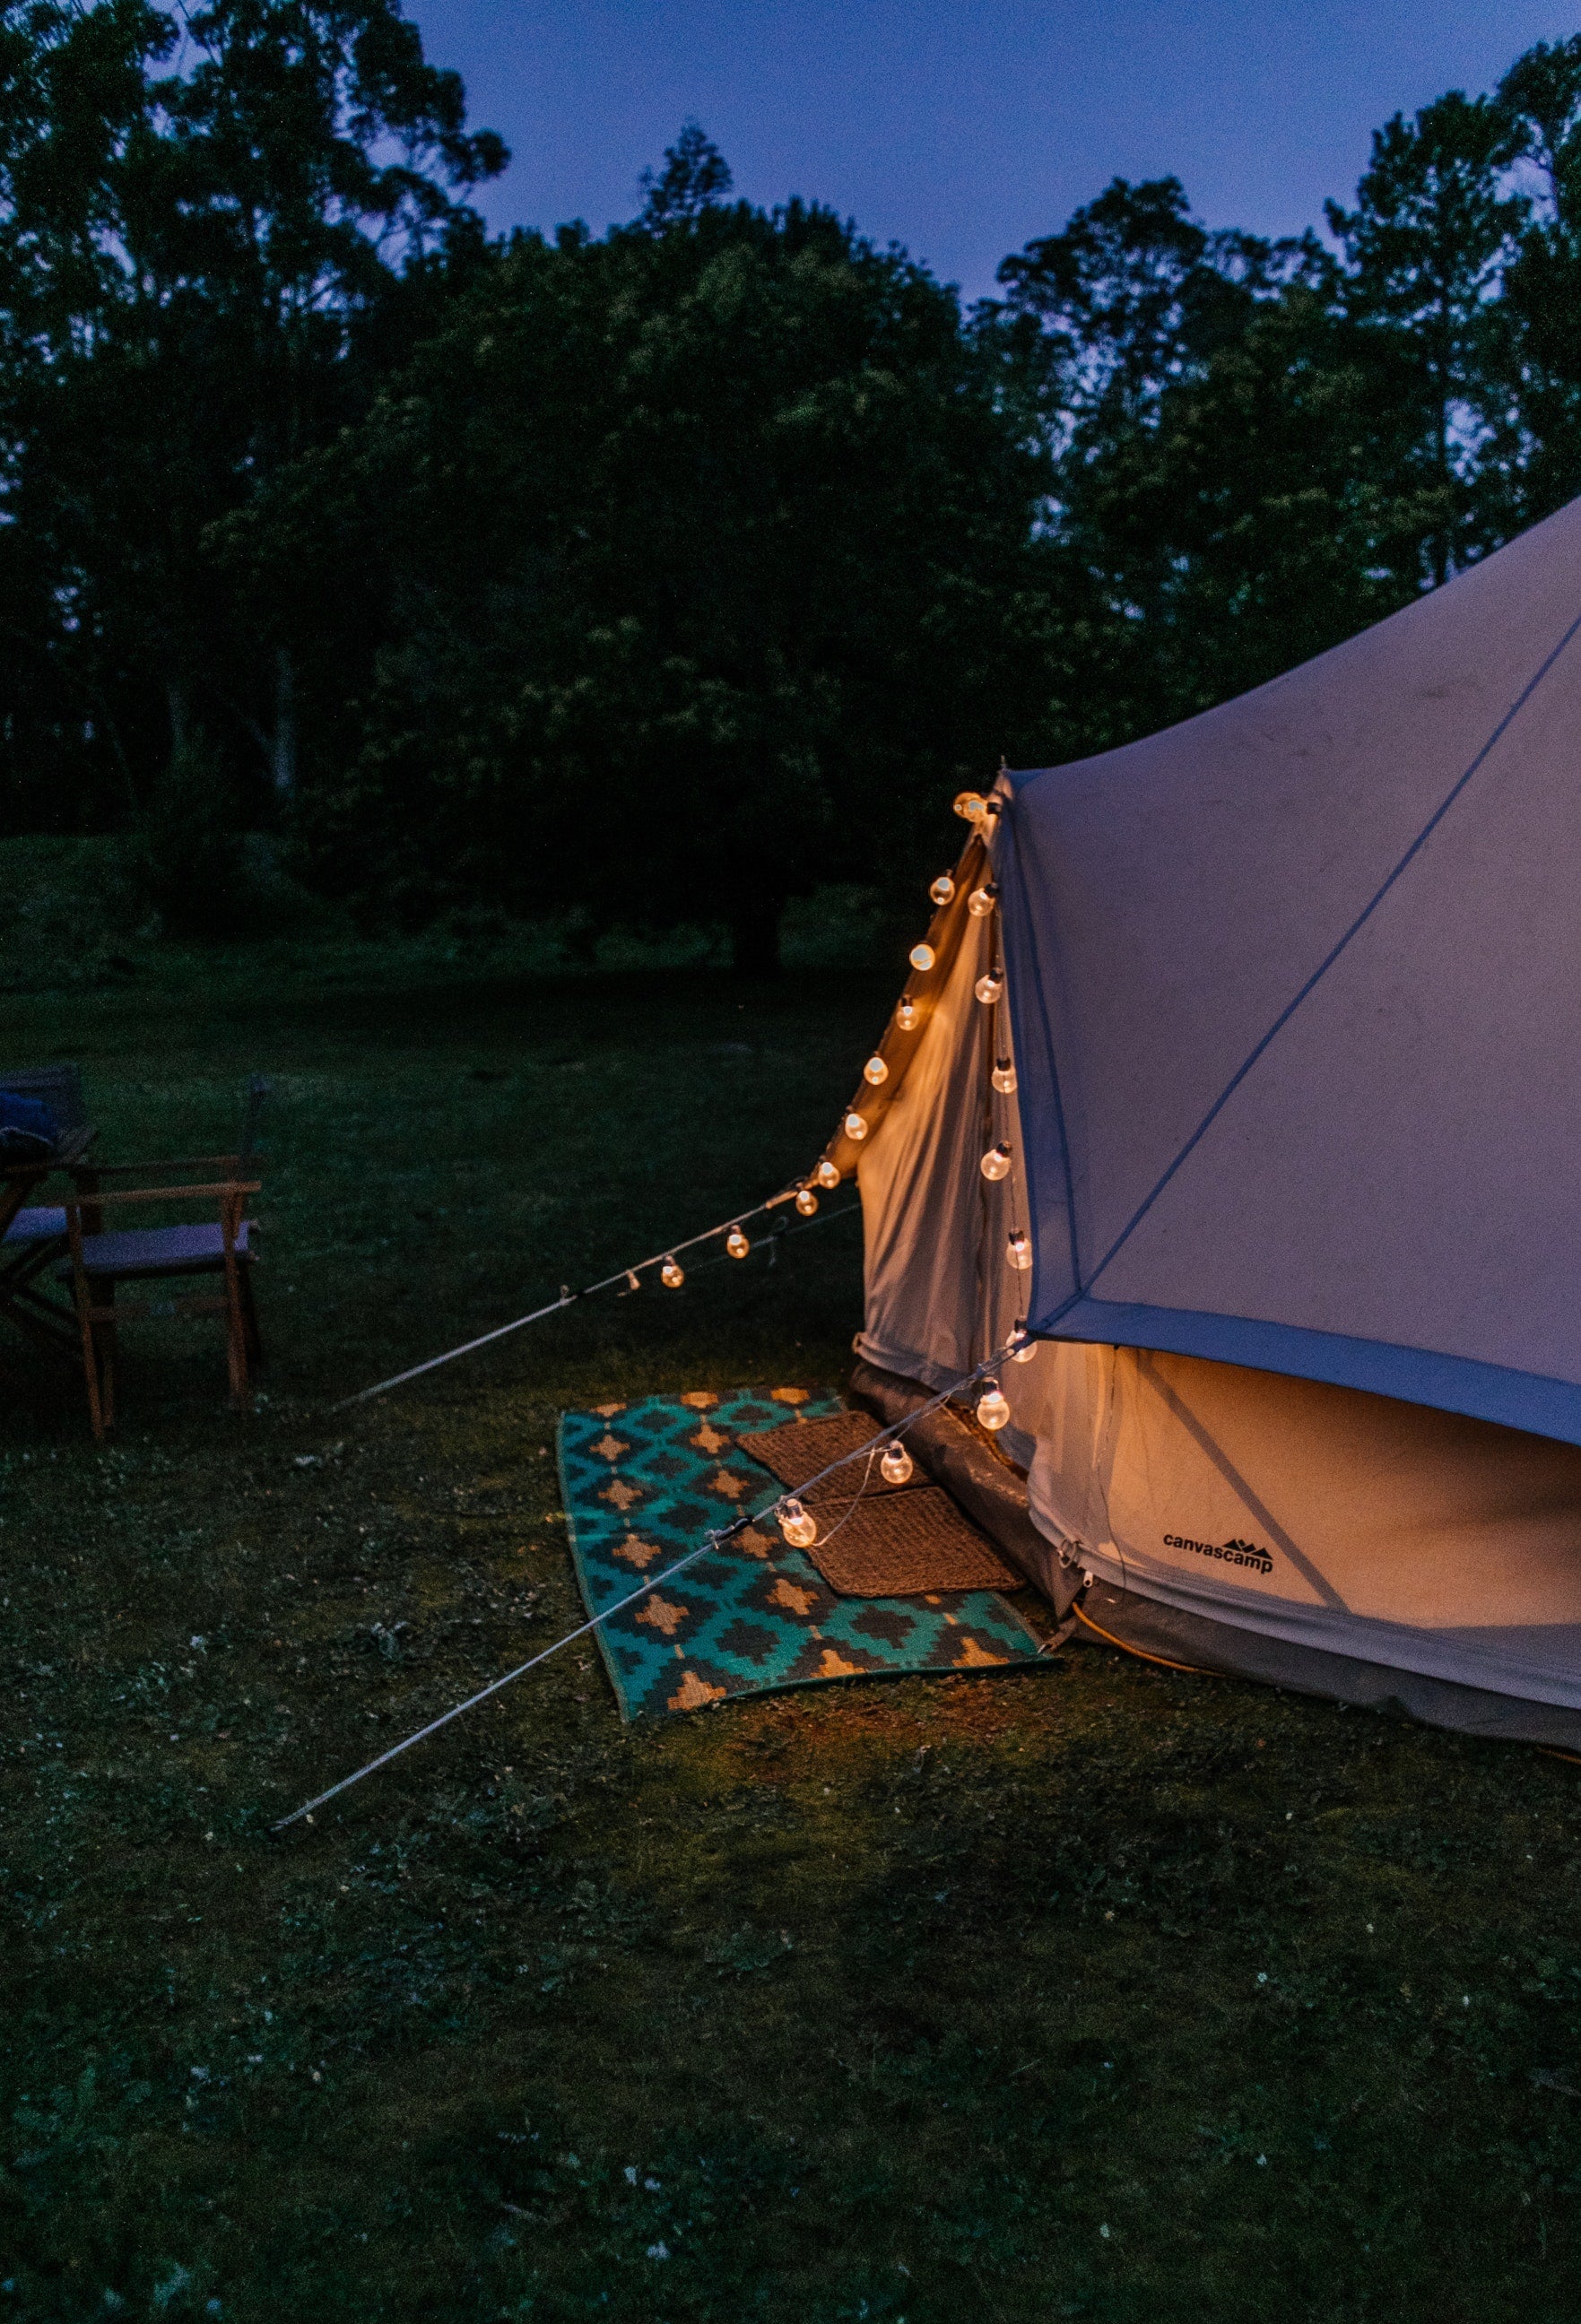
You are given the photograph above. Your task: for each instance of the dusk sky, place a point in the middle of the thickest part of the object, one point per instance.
(964, 127)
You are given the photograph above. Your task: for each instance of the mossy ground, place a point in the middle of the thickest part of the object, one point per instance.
(1093, 1991)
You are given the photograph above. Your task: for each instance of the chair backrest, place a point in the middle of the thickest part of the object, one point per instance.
(59, 1087)
(258, 1089)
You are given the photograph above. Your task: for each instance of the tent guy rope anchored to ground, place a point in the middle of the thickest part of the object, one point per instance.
(972, 808)
(628, 1276)
(782, 1503)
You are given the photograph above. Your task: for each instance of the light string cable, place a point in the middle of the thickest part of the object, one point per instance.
(568, 1299)
(713, 1541)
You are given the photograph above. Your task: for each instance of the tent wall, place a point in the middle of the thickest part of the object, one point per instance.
(1329, 1519)
(1297, 990)
(1371, 1531)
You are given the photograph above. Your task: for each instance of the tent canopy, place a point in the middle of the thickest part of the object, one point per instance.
(1296, 993)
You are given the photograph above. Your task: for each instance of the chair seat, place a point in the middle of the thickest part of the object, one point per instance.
(198, 1249)
(36, 1226)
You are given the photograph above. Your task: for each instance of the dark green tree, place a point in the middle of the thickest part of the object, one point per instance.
(1541, 303)
(209, 266)
(1424, 247)
(706, 539)
(1156, 354)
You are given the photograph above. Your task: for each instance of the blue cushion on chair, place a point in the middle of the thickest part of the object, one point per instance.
(158, 1250)
(36, 1226)
(29, 1132)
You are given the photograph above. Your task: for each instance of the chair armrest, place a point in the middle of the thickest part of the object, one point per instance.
(97, 1202)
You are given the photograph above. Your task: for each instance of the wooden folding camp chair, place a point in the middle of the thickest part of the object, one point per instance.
(215, 1242)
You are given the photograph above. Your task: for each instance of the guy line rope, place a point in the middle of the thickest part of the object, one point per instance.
(711, 1541)
(568, 1299)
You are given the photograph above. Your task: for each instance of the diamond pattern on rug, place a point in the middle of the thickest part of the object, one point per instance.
(644, 1482)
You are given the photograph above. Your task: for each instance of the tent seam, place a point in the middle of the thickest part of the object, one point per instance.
(1365, 914)
(1071, 1224)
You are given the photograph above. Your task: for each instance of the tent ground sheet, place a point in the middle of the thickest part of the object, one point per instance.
(643, 1482)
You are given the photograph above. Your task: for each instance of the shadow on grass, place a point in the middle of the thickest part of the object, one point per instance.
(1088, 1991)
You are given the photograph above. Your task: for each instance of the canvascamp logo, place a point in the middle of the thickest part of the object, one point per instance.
(1229, 1553)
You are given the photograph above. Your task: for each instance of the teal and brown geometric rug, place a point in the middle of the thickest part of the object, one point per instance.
(644, 1482)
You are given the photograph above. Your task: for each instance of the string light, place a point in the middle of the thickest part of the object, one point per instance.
(1023, 1346)
(971, 805)
(907, 1016)
(1004, 1077)
(876, 1070)
(993, 1410)
(805, 1200)
(855, 1128)
(736, 1243)
(827, 1175)
(943, 889)
(896, 1465)
(1018, 1250)
(995, 1162)
(982, 900)
(989, 988)
(923, 956)
(798, 1527)
(672, 1275)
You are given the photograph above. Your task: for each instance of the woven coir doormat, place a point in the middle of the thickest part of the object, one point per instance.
(800, 1449)
(877, 1540)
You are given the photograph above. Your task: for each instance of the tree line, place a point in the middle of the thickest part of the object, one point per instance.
(662, 573)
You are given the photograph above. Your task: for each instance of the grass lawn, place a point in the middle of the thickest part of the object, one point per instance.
(1092, 1991)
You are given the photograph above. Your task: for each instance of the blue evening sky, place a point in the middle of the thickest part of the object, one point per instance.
(964, 127)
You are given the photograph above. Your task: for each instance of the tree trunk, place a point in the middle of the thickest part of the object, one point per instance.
(178, 703)
(754, 935)
(283, 753)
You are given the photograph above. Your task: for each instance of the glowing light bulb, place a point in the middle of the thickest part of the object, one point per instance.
(672, 1275)
(856, 1129)
(876, 1070)
(805, 1200)
(989, 988)
(908, 1017)
(992, 1408)
(827, 1175)
(896, 1465)
(736, 1243)
(1004, 1077)
(943, 889)
(923, 956)
(982, 900)
(995, 1162)
(798, 1527)
(971, 805)
(1024, 1347)
(1018, 1250)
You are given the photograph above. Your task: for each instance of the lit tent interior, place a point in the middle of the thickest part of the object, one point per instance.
(1244, 1064)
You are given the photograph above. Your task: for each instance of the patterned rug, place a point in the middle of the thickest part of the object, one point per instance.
(643, 1482)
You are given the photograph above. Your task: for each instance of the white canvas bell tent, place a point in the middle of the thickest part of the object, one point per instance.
(1293, 994)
